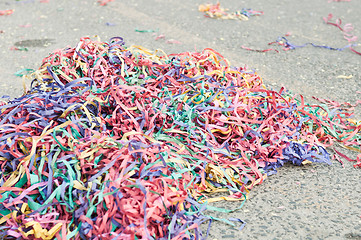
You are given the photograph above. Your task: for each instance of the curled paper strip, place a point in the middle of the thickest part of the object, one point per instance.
(346, 30)
(6, 12)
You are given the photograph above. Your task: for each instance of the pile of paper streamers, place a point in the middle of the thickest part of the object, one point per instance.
(218, 12)
(116, 142)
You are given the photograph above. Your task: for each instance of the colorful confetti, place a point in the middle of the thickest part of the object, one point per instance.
(116, 142)
(173, 41)
(23, 72)
(6, 12)
(25, 25)
(104, 2)
(339, 1)
(260, 50)
(19, 48)
(157, 37)
(216, 11)
(110, 24)
(146, 30)
(346, 30)
(287, 45)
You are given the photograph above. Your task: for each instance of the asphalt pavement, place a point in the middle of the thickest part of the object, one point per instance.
(314, 201)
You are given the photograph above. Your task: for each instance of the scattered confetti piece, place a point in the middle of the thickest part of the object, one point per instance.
(6, 12)
(161, 36)
(346, 30)
(104, 2)
(146, 30)
(169, 41)
(256, 50)
(25, 25)
(344, 77)
(172, 41)
(118, 142)
(337, 158)
(23, 72)
(19, 48)
(216, 11)
(240, 221)
(110, 24)
(287, 45)
(339, 1)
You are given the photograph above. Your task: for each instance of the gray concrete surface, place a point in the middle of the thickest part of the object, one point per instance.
(309, 202)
